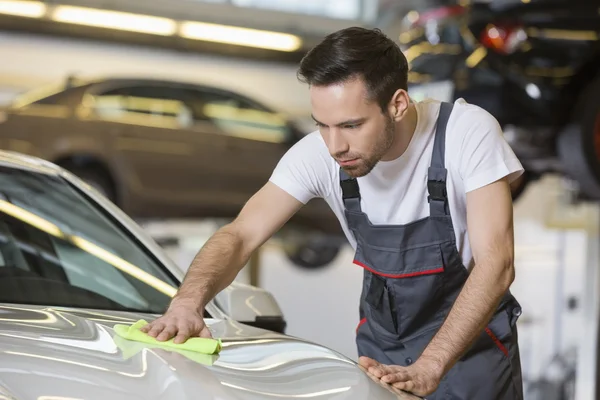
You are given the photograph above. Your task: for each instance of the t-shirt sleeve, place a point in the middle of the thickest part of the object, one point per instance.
(485, 156)
(304, 170)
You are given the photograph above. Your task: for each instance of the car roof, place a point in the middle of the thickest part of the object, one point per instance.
(116, 80)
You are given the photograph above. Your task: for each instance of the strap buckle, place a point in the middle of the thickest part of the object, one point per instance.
(437, 190)
(349, 189)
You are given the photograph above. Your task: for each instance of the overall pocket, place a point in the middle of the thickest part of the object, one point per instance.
(381, 314)
(487, 370)
(412, 281)
(497, 336)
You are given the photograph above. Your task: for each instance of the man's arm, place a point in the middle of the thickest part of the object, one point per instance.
(220, 260)
(490, 227)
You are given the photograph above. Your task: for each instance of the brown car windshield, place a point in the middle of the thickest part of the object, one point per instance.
(58, 248)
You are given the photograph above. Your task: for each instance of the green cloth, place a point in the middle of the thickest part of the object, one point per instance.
(194, 344)
(130, 348)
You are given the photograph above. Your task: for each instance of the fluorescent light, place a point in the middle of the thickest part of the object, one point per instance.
(32, 9)
(240, 36)
(115, 20)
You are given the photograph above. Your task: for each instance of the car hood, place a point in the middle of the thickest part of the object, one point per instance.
(71, 354)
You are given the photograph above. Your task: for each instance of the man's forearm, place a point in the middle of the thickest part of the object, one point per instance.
(213, 269)
(471, 312)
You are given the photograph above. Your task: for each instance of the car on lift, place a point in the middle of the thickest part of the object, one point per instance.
(162, 149)
(73, 265)
(534, 65)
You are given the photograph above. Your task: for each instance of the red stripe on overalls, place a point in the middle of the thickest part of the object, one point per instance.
(408, 275)
(497, 341)
(362, 321)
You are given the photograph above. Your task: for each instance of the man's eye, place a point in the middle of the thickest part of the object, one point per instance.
(354, 126)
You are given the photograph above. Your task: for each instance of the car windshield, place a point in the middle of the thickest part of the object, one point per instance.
(58, 248)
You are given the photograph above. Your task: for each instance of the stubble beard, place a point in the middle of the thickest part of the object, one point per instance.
(367, 164)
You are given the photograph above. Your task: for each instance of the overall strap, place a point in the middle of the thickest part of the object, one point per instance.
(350, 191)
(436, 183)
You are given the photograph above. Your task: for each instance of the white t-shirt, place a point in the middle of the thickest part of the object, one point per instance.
(395, 192)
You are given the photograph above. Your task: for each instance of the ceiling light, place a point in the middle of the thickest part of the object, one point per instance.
(115, 20)
(32, 9)
(240, 36)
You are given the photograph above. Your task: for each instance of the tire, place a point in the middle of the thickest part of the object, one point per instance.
(579, 142)
(312, 252)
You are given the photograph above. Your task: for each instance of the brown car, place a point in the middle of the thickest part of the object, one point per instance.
(164, 149)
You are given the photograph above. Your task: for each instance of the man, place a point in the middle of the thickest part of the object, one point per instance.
(422, 193)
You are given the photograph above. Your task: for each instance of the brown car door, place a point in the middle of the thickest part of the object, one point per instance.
(154, 147)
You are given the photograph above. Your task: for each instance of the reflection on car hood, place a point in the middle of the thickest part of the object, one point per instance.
(59, 353)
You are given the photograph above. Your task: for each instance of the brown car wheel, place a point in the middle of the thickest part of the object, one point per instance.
(313, 252)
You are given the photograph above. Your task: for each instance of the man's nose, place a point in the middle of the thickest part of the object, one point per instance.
(337, 144)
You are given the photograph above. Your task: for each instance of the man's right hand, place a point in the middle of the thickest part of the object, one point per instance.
(180, 321)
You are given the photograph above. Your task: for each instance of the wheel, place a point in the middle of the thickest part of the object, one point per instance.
(96, 177)
(579, 143)
(312, 252)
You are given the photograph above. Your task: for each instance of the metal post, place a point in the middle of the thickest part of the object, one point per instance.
(587, 355)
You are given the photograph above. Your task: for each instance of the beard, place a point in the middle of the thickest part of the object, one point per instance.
(366, 162)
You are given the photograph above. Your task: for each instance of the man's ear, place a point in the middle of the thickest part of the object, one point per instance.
(399, 104)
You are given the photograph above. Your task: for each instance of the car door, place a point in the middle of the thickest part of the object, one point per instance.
(249, 138)
(153, 145)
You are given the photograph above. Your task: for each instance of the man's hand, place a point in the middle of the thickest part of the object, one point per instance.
(180, 321)
(419, 378)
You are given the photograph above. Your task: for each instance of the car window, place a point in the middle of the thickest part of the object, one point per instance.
(58, 248)
(159, 106)
(238, 117)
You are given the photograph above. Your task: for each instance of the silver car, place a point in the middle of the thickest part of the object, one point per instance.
(72, 265)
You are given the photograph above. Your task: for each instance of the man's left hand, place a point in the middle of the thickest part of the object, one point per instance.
(420, 378)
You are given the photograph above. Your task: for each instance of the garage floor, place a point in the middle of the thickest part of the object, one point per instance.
(553, 242)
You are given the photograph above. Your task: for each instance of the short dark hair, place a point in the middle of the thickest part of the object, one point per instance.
(357, 52)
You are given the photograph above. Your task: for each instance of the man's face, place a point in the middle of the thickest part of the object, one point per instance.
(355, 130)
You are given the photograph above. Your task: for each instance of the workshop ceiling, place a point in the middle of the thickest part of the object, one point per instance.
(276, 30)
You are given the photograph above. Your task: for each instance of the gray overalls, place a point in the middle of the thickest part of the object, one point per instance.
(412, 275)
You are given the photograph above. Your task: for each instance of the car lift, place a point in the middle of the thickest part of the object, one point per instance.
(573, 373)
